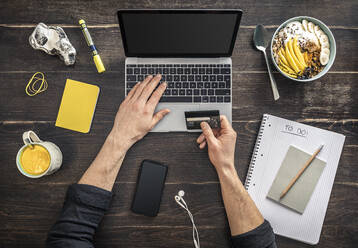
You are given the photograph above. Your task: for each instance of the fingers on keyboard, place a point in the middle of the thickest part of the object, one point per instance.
(198, 83)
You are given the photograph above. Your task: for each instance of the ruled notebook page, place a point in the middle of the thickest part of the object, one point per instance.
(274, 138)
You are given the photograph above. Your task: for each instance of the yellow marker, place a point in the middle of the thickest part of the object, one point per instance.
(96, 57)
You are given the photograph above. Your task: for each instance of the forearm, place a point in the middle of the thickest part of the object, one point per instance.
(87, 201)
(103, 171)
(241, 211)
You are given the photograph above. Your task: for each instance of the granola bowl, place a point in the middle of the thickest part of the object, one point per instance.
(303, 49)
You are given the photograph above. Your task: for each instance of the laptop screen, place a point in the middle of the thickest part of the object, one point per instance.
(179, 33)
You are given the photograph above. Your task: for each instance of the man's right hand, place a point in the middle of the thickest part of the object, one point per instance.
(221, 144)
(241, 211)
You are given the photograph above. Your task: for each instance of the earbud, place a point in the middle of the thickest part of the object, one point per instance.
(179, 199)
(181, 193)
(179, 196)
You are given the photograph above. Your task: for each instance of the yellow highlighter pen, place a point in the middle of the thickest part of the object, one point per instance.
(96, 58)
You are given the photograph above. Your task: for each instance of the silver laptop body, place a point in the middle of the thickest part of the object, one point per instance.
(192, 83)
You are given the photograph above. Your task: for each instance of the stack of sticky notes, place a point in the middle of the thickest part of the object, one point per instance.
(77, 107)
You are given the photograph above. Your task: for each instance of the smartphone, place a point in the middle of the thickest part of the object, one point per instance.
(150, 185)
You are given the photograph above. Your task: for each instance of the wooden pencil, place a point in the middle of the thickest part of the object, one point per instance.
(309, 161)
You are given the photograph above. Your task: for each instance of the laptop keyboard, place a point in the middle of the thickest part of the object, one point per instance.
(198, 83)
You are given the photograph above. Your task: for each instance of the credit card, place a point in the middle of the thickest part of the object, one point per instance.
(194, 118)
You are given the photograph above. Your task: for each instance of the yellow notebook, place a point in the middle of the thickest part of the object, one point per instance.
(77, 106)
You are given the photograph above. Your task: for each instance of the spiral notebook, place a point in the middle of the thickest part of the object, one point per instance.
(275, 137)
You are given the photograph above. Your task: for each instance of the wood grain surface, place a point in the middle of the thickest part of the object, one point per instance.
(29, 207)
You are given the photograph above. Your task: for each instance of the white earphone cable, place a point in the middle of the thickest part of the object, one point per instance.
(179, 199)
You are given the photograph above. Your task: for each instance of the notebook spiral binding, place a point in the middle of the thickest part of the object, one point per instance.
(255, 152)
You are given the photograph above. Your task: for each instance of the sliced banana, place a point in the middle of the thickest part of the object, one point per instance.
(324, 58)
(319, 33)
(310, 27)
(325, 51)
(316, 28)
(323, 38)
(325, 45)
(304, 25)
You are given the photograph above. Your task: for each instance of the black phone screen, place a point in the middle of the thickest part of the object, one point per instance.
(149, 190)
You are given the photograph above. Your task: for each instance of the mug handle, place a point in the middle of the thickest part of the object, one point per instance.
(30, 138)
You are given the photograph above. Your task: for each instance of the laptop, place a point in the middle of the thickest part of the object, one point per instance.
(191, 49)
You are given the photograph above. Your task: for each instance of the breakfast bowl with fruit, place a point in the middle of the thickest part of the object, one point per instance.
(303, 49)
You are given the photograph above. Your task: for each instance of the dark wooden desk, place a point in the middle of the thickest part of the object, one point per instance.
(29, 207)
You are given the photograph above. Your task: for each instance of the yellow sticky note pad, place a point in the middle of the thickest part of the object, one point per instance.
(77, 107)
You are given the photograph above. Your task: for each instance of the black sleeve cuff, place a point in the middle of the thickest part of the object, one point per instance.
(88, 195)
(83, 210)
(260, 237)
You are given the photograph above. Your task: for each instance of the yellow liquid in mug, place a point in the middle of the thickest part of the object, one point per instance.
(35, 160)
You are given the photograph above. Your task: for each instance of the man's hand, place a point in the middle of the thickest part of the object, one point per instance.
(241, 211)
(135, 117)
(221, 144)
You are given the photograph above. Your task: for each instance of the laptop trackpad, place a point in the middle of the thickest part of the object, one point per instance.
(175, 120)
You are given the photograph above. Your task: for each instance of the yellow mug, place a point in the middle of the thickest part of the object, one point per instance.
(38, 158)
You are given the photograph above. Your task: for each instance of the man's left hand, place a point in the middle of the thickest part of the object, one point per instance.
(136, 117)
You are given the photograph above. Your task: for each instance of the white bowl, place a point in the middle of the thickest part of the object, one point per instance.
(332, 44)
